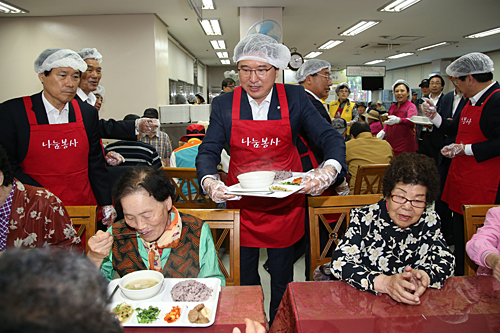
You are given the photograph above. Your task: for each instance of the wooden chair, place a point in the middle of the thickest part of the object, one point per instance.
(84, 219)
(324, 205)
(474, 216)
(228, 220)
(189, 177)
(371, 175)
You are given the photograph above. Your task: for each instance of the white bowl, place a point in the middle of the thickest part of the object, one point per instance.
(256, 179)
(142, 293)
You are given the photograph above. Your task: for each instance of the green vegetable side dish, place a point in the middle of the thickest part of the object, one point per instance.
(289, 183)
(147, 316)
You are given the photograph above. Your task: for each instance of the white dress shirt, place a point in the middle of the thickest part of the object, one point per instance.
(53, 114)
(90, 98)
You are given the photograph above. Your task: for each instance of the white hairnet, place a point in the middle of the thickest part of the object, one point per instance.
(55, 58)
(90, 53)
(262, 48)
(180, 99)
(472, 63)
(312, 66)
(99, 91)
(192, 99)
(341, 86)
(397, 83)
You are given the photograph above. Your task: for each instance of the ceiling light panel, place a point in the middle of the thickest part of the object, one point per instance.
(435, 45)
(330, 44)
(401, 55)
(311, 55)
(397, 6)
(373, 62)
(222, 55)
(7, 8)
(208, 4)
(484, 33)
(225, 62)
(359, 27)
(211, 27)
(218, 44)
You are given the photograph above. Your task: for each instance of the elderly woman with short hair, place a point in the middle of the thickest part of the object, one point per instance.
(343, 107)
(158, 237)
(395, 246)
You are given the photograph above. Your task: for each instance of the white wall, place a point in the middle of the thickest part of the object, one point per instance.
(134, 49)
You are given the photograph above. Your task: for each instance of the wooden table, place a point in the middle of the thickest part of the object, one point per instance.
(464, 304)
(235, 304)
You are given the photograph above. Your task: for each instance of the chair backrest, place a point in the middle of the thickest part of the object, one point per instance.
(227, 220)
(474, 216)
(324, 205)
(84, 219)
(188, 177)
(371, 175)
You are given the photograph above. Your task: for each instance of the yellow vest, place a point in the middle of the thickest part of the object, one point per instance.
(346, 112)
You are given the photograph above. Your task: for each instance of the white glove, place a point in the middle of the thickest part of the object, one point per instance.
(108, 213)
(216, 190)
(453, 150)
(113, 158)
(392, 120)
(318, 180)
(343, 189)
(147, 125)
(381, 135)
(428, 108)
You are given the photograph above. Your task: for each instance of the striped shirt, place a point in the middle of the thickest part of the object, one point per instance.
(136, 153)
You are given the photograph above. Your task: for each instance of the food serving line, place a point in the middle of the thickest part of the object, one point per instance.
(464, 304)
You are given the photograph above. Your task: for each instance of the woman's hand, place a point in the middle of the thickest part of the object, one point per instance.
(493, 260)
(406, 287)
(99, 247)
(251, 327)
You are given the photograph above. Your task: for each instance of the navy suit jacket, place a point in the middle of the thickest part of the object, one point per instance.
(113, 129)
(302, 113)
(15, 137)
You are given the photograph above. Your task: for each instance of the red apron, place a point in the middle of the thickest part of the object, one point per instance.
(57, 158)
(265, 145)
(470, 182)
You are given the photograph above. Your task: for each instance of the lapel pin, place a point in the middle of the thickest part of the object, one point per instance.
(279, 107)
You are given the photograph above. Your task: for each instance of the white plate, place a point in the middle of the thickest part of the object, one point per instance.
(164, 302)
(236, 189)
(420, 120)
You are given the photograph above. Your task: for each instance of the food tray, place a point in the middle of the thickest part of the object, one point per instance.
(164, 302)
(419, 120)
(236, 189)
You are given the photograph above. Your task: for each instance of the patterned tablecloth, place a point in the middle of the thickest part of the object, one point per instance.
(464, 304)
(235, 304)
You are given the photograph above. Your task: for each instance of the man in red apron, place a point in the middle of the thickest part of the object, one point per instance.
(474, 175)
(53, 140)
(260, 120)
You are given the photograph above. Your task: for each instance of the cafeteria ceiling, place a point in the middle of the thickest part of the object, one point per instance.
(309, 23)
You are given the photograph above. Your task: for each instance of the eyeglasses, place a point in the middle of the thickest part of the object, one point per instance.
(327, 77)
(402, 200)
(261, 72)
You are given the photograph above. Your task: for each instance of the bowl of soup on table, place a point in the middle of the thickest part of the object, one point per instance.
(256, 179)
(141, 284)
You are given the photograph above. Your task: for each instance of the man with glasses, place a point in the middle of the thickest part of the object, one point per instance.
(473, 178)
(260, 120)
(431, 141)
(228, 85)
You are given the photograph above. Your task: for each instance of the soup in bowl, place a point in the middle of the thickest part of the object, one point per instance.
(141, 284)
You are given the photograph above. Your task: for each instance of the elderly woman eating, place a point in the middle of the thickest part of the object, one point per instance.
(154, 234)
(395, 246)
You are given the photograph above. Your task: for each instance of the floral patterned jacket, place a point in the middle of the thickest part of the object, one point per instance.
(373, 245)
(38, 218)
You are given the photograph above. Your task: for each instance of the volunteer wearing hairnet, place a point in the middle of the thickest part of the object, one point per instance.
(398, 130)
(473, 178)
(180, 99)
(89, 83)
(343, 107)
(52, 139)
(260, 120)
(192, 99)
